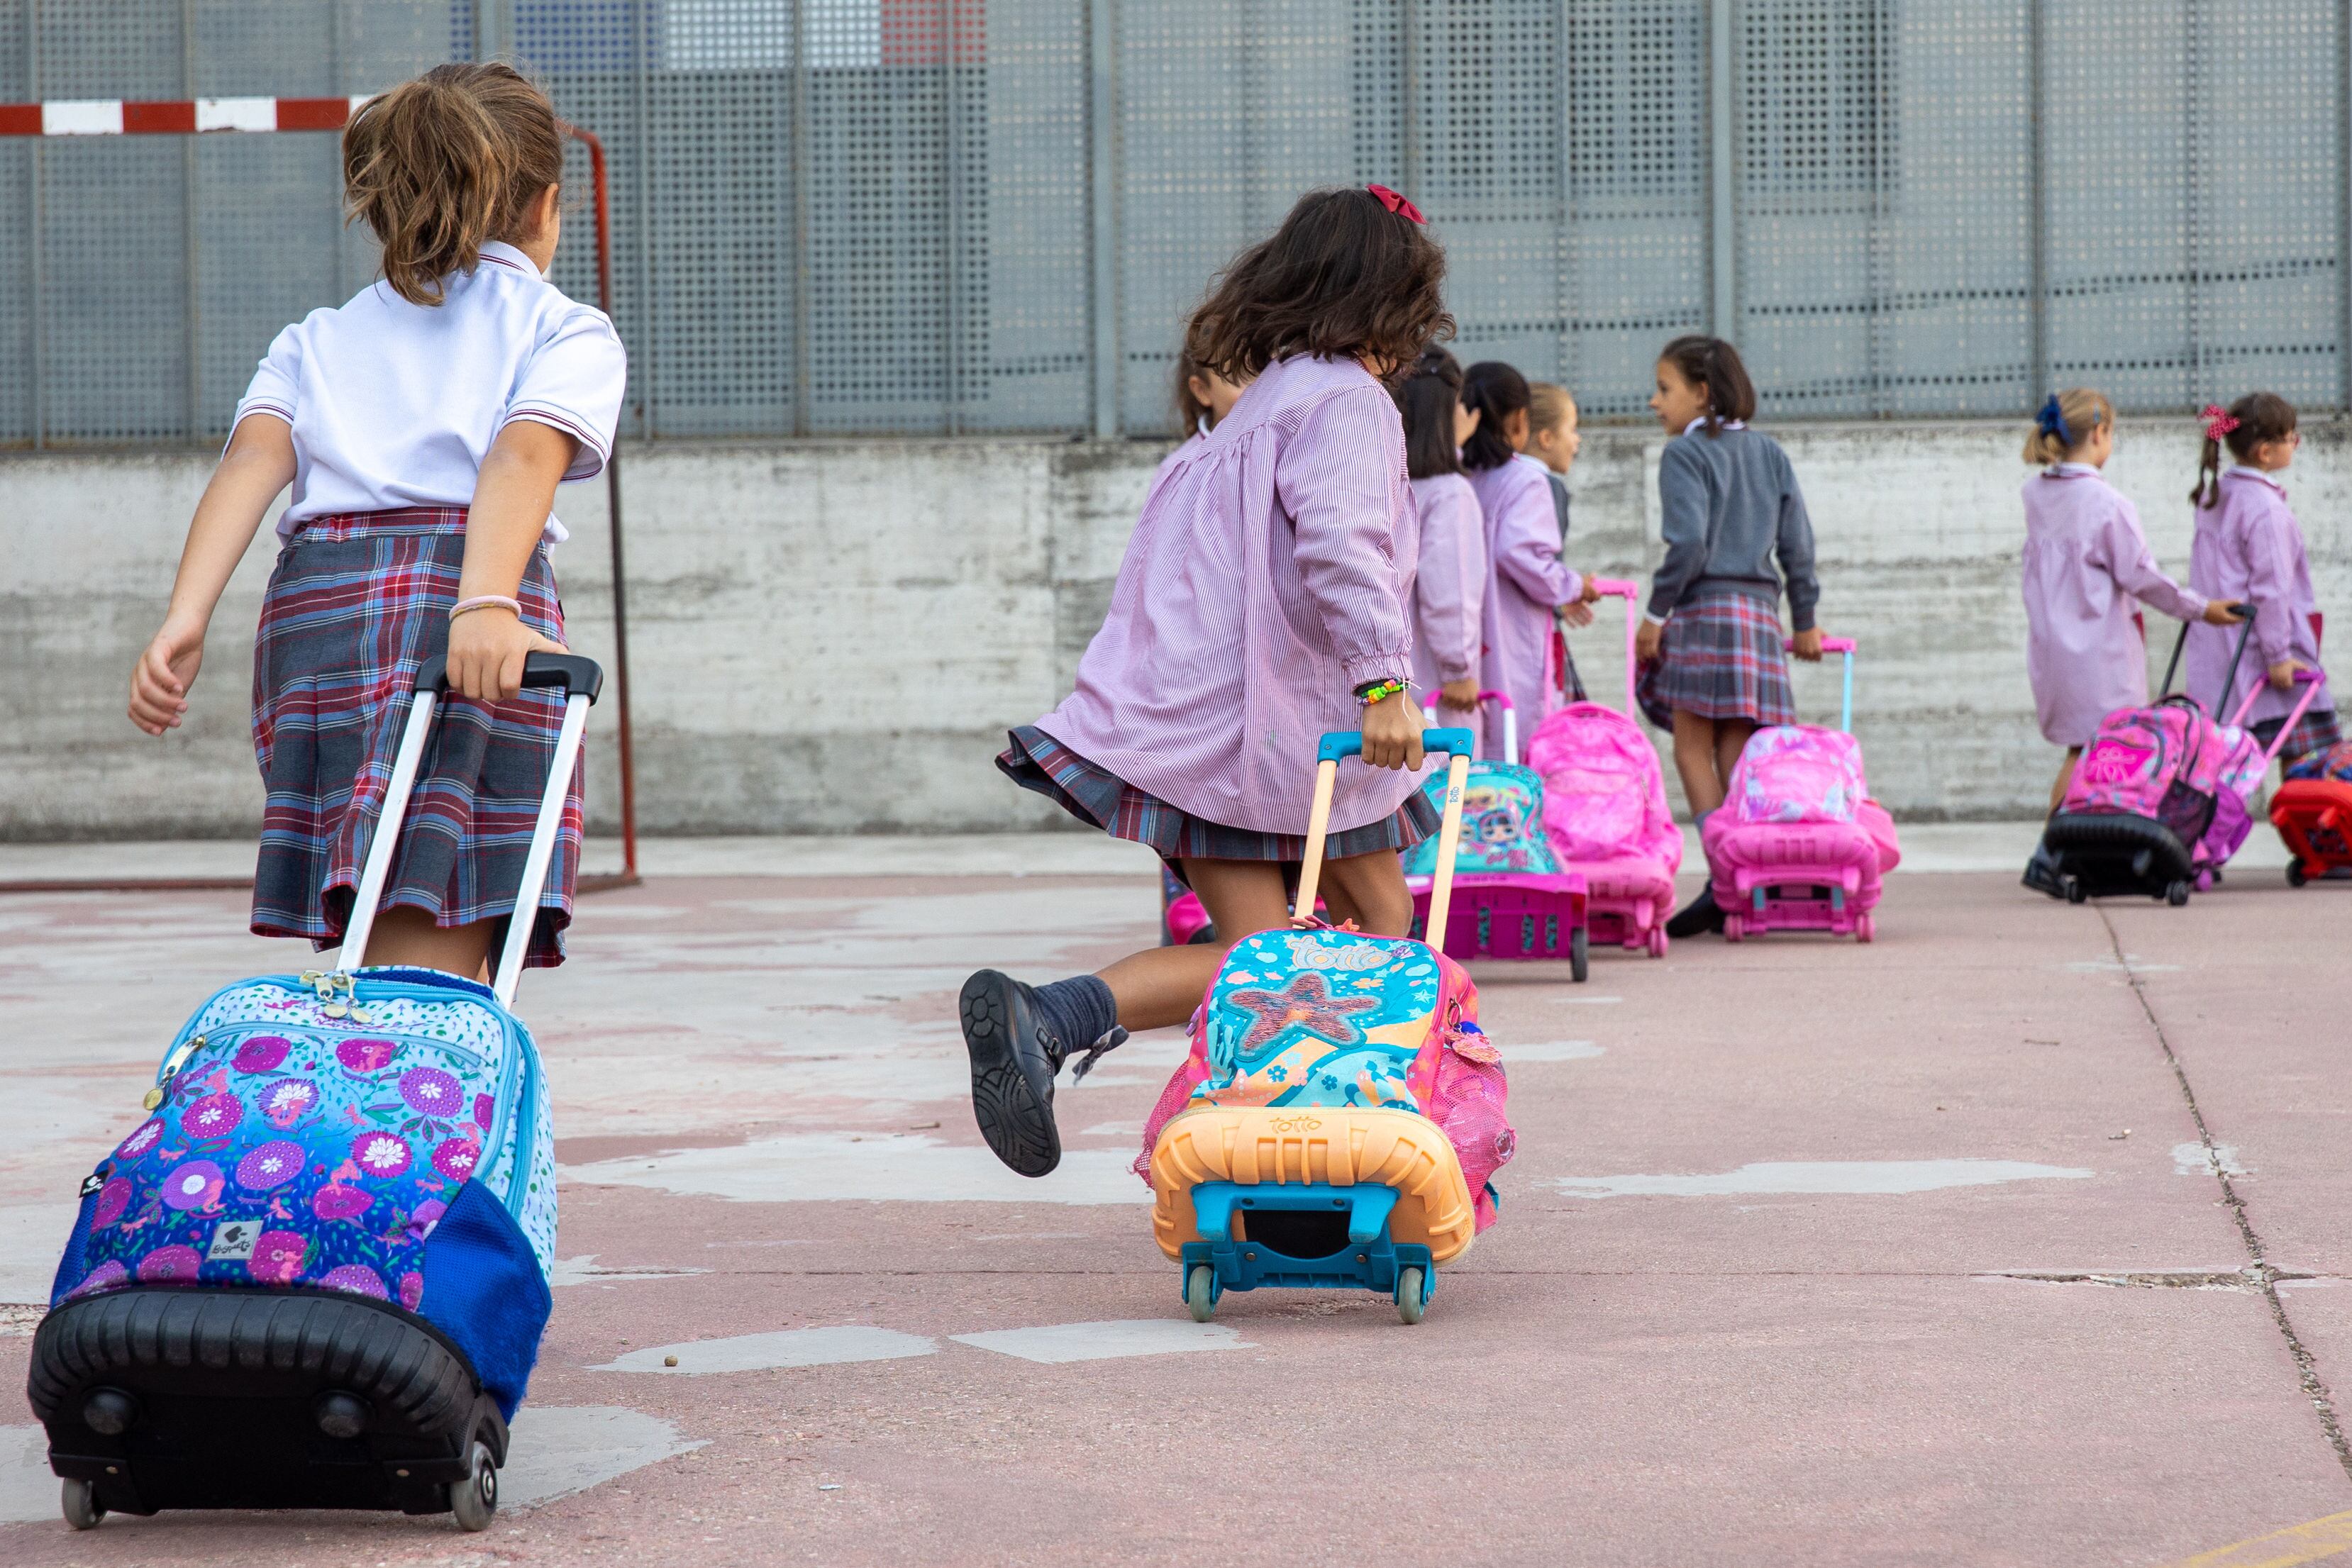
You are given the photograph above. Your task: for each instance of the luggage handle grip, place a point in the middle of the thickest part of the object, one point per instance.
(580, 678)
(1342, 743)
(570, 672)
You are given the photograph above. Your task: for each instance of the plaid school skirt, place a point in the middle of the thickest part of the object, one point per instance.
(1719, 657)
(1099, 799)
(2317, 730)
(356, 603)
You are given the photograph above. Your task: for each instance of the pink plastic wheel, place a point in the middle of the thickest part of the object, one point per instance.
(1865, 929)
(1734, 929)
(1657, 942)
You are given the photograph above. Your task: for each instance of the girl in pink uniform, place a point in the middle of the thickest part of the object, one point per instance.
(2250, 547)
(1527, 584)
(1449, 588)
(2085, 561)
(1264, 599)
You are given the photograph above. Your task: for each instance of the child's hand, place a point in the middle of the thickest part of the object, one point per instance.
(1645, 640)
(1807, 644)
(1393, 732)
(487, 649)
(2222, 613)
(2282, 673)
(161, 679)
(1461, 695)
(1592, 594)
(1575, 613)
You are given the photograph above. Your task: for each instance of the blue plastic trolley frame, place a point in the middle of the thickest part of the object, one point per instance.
(1371, 1261)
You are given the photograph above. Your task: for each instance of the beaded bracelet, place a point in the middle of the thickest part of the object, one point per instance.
(485, 601)
(1379, 692)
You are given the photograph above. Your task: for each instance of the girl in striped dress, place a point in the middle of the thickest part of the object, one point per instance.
(1264, 600)
(423, 427)
(1713, 669)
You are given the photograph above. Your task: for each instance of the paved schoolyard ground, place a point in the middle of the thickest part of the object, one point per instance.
(2016, 1238)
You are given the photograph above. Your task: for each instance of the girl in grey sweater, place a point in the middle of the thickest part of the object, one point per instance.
(1713, 666)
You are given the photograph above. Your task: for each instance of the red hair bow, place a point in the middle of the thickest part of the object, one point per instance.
(2218, 422)
(1396, 203)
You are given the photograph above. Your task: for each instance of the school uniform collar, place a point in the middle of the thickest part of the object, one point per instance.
(1700, 423)
(499, 254)
(2070, 471)
(2259, 476)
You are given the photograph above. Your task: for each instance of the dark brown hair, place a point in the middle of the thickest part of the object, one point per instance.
(2260, 417)
(1343, 278)
(1714, 363)
(1427, 400)
(443, 164)
(1190, 410)
(1496, 391)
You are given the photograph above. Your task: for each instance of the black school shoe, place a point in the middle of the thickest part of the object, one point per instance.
(1700, 916)
(2042, 872)
(1013, 1060)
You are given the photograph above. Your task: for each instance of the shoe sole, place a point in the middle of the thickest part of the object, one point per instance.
(1017, 1122)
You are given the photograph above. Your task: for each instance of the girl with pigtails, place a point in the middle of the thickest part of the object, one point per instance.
(2250, 547)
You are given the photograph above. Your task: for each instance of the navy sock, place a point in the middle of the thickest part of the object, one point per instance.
(1079, 1011)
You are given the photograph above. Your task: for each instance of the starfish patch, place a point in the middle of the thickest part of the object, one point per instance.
(1305, 1003)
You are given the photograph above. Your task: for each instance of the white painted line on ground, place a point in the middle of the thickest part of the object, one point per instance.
(582, 1270)
(555, 1450)
(2130, 966)
(1823, 1176)
(785, 1347)
(1587, 1001)
(2192, 1159)
(1055, 1344)
(1113, 1130)
(1549, 1050)
(820, 1167)
(32, 1234)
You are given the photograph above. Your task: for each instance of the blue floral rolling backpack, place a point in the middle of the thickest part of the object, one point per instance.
(315, 1275)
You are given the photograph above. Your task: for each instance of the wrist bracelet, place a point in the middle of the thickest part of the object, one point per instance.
(486, 602)
(1379, 692)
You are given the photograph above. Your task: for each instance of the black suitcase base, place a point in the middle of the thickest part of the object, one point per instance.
(2101, 854)
(159, 1397)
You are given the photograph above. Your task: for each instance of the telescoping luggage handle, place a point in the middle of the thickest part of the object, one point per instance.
(1630, 592)
(2172, 666)
(1457, 744)
(579, 680)
(1510, 721)
(1845, 701)
(2308, 680)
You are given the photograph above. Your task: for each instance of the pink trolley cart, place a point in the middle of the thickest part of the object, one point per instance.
(1511, 899)
(1605, 812)
(1798, 844)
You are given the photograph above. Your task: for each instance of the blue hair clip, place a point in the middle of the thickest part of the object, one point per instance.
(2050, 421)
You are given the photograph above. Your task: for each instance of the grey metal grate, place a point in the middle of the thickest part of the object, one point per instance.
(847, 216)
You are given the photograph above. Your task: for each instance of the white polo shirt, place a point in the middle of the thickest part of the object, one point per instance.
(394, 405)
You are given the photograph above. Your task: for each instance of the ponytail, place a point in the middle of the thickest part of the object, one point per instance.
(2064, 422)
(1495, 391)
(2252, 421)
(441, 166)
(1715, 364)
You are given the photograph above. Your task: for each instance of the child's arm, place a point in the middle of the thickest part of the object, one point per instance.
(513, 495)
(258, 463)
(2122, 550)
(1794, 546)
(1682, 526)
(1448, 587)
(2272, 552)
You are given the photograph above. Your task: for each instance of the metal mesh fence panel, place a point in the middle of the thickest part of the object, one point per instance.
(853, 216)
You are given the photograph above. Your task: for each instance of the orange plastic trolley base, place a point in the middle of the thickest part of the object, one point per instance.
(1260, 1146)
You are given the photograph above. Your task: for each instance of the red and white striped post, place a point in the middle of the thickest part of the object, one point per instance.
(205, 116)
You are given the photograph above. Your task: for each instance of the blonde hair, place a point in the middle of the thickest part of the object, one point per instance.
(1548, 406)
(442, 165)
(2082, 410)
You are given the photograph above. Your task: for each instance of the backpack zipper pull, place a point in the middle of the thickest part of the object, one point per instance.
(172, 1065)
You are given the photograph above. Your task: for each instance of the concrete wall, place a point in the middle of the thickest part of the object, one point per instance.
(832, 636)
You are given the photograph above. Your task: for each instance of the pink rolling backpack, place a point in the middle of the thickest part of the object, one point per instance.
(1798, 845)
(1605, 811)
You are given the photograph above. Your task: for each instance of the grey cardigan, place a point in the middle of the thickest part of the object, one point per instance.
(1729, 503)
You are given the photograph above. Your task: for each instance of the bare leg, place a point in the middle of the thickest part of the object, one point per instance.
(1372, 887)
(2065, 777)
(1161, 986)
(1694, 760)
(409, 938)
(1730, 740)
